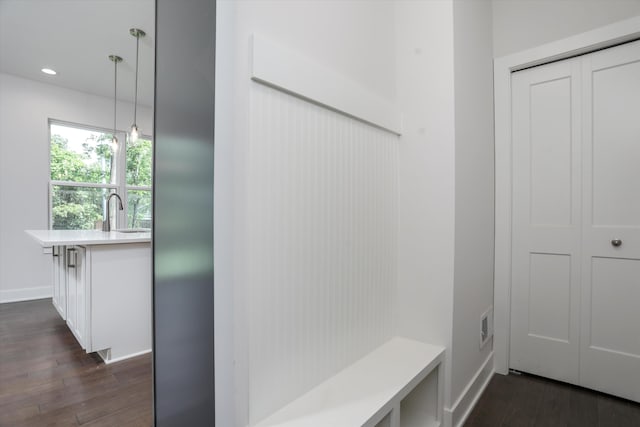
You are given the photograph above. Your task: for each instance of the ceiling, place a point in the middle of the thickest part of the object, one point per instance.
(75, 38)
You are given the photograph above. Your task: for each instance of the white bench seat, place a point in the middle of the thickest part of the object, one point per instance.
(367, 391)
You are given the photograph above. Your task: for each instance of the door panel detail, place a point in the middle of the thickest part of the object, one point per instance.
(615, 293)
(616, 145)
(551, 152)
(550, 296)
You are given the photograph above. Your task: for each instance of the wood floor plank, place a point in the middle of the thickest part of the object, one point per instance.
(124, 398)
(11, 416)
(528, 400)
(66, 396)
(61, 418)
(29, 394)
(46, 379)
(490, 407)
(614, 412)
(553, 409)
(524, 406)
(118, 419)
(144, 420)
(22, 367)
(583, 409)
(92, 379)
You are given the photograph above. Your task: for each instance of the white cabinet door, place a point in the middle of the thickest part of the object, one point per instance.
(610, 343)
(77, 293)
(81, 297)
(72, 292)
(62, 281)
(54, 276)
(55, 253)
(546, 221)
(59, 281)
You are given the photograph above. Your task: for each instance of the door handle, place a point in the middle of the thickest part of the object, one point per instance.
(616, 242)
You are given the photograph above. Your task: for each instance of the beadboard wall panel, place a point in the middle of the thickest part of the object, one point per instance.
(322, 198)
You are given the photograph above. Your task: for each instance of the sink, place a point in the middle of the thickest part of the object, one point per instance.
(134, 230)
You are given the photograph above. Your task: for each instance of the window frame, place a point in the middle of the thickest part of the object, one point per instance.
(120, 186)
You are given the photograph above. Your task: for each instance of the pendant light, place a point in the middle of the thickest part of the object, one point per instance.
(133, 134)
(115, 59)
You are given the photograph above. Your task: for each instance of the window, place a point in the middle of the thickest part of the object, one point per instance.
(85, 170)
(138, 188)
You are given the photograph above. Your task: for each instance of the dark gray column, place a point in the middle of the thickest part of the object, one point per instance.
(183, 214)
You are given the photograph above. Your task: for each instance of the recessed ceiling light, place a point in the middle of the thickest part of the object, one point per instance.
(49, 71)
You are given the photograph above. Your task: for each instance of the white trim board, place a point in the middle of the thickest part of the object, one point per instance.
(457, 415)
(299, 75)
(26, 294)
(105, 354)
(589, 41)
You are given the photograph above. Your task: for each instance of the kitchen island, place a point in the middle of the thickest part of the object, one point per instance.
(102, 288)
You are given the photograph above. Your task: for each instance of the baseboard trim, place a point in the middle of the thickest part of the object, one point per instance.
(460, 411)
(27, 294)
(106, 354)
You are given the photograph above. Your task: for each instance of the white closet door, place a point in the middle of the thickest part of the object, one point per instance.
(610, 327)
(546, 220)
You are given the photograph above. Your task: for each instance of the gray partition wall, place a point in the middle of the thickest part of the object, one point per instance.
(183, 214)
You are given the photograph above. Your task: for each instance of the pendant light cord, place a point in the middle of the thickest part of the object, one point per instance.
(115, 94)
(135, 104)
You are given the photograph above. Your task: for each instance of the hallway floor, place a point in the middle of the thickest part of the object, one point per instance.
(528, 400)
(47, 379)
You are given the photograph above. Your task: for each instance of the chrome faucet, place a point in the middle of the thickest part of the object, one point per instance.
(106, 224)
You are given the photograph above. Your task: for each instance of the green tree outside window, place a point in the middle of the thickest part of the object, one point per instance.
(86, 158)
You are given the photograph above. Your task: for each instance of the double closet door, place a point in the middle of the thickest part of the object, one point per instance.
(575, 295)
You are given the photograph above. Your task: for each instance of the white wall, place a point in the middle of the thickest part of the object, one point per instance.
(25, 108)
(284, 162)
(523, 24)
(425, 75)
(355, 38)
(474, 237)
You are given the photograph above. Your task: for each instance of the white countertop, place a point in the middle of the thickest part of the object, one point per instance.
(48, 238)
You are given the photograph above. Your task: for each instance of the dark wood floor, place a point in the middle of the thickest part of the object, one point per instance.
(46, 379)
(527, 400)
